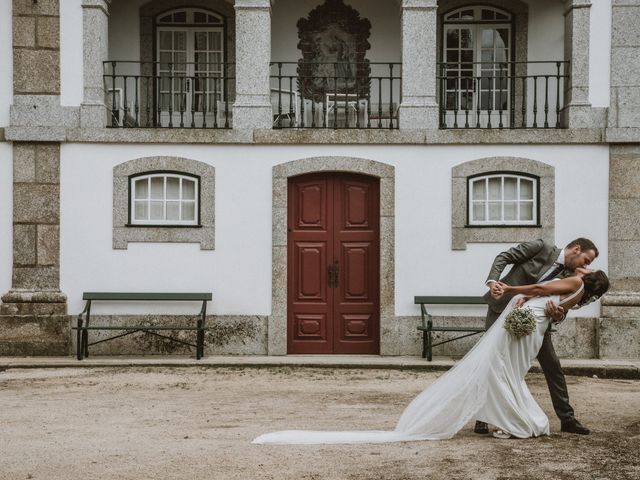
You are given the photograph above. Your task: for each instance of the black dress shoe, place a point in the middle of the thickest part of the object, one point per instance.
(574, 426)
(481, 427)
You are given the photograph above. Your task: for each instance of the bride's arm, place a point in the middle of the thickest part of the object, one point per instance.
(557, 287)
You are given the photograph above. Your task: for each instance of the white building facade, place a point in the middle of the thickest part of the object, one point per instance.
(313, 164)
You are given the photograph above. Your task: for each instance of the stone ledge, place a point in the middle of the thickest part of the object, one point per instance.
(622, 135)
(314, 136)
(622, 299)
(157, 135)
(35, 134)
(23, 296)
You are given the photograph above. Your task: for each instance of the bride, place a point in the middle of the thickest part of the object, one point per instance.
(487, 384)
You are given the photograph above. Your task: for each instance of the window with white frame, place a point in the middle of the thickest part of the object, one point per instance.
(503, 199)
(164, 199)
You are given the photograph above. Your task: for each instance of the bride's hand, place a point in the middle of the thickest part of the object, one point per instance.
(520, 301)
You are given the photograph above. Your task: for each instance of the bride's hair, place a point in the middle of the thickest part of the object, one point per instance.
(596, 284)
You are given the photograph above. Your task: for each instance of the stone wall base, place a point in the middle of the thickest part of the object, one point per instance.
(229, 335)
(573, 338)
(31, 335)
(619, 327)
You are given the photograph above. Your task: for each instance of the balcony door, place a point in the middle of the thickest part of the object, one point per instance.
(190, 56)
(476, 70)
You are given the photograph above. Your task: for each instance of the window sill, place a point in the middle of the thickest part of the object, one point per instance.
(138, 225)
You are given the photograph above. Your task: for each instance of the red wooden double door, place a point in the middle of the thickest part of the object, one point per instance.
(333, 264)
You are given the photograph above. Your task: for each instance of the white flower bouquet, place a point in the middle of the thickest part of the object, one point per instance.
(520, 322)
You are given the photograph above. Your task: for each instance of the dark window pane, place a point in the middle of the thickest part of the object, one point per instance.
(466, 55)
(466, 15)
(180, 17)
(451, 101)
(199, 17)
(452, 56)
(453, 39)
(467, 38)
(487, 14)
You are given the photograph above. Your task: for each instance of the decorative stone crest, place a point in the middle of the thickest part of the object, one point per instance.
(334, 42)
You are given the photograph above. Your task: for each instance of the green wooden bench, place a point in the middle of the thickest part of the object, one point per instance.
(84, 326)
(427, 326)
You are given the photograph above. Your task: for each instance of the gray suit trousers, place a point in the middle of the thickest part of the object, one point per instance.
(552, 373)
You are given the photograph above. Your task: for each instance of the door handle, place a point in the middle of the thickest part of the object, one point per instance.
(333, 273)
(330, 276)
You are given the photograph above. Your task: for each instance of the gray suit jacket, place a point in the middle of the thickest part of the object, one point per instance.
(529, 260)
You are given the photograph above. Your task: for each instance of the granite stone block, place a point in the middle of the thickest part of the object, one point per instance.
(34, 203)
(624, 218)
(36, 71)
(279, 281)
(24, 162)
(48, 245)
(24, 31)
(48, 163)
(48, 32)
(277, 336)
(624, 258)
(27, 335)
(41, 7)
(387, 197)
(620, 338)
(624, 176)
(279, 226)
(33, 308)
(24, 244)
(36, 278)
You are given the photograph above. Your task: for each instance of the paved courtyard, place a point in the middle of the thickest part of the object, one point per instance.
(197, 423)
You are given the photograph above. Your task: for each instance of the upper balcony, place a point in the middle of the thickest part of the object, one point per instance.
(338, 65)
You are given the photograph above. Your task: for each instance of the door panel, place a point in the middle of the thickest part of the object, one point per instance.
(333, 271)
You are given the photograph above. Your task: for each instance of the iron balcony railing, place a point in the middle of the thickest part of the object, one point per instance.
(335, 94)
(169, 95)
(502, 94)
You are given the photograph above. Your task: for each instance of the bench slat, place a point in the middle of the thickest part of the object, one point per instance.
(449, 300)
(127, 296)
(452, 329)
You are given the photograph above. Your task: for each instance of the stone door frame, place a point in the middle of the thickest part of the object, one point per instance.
(277, 321)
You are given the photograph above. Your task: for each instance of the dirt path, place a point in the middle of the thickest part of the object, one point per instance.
(64, 424)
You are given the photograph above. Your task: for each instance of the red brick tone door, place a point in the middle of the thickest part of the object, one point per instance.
(333, 264)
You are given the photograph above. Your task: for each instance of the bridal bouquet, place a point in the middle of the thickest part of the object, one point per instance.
(520, 322)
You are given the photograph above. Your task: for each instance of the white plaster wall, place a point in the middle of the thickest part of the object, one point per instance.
(124, 30)
(238, 271)
(6, 216)
(6, 62)
(600, 53)
(71, 55)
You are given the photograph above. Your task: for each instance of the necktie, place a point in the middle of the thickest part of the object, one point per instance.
(552, 274)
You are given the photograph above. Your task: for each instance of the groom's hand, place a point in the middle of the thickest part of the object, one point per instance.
(496, 290)
(554, 311)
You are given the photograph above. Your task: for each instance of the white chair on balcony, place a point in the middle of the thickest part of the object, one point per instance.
(289, 110)
(346, 102)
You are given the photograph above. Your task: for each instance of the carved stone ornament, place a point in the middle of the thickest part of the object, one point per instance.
(334, 42)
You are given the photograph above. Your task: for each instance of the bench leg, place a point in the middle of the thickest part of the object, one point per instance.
(424, 344)
(85, 342)
(199, 340)
(429, 346)
(79, 347)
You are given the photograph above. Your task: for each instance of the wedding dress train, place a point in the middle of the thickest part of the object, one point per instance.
(487, 384)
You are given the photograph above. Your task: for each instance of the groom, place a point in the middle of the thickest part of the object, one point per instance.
(536, 262)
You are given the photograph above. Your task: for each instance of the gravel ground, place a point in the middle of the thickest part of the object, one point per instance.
(197, 423)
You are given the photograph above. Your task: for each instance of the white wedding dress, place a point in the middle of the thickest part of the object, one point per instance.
(487, 384)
